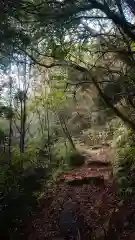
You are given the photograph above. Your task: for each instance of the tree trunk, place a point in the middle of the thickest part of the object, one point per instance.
(23, 111)
(10, 140)
(10, 120)
(48, 131)
(107, 101)
(21, 130)
(65, 130)
(23, 125)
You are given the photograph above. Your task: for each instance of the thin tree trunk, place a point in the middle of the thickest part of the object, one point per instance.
(21, 131)
(24, 125)
(48, 131)
(65, 130)
(10, 121)
(24, 113)
(40, 121)
(10, 140)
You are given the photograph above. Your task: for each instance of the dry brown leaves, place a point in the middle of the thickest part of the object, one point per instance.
(96, 205)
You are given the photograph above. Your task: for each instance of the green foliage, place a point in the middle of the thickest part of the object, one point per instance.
(53, 29)
(64, 159)
(13, 38)
(67, 156)
(124, 160)
(125, 171)
(20, 184)
(25, 159)
(75, 159)
(6, 111)
(123, 137)
(22, 181)
(55, 99)
(60, 152)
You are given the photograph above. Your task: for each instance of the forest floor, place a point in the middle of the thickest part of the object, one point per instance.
(103, 212)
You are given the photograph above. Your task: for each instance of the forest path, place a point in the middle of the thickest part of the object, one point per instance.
(97, 199)
(97, 164)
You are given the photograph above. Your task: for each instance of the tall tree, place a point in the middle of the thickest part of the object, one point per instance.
(103, 29)
(21, 102)
(47, 31)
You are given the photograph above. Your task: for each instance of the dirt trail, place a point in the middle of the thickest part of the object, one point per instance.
(96, 201)
(97, 164)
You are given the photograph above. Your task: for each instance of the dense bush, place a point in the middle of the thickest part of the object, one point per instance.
(64, 158)
(20, 183)
(60, 152)
(124, 161)
(65, 155)
(75, 159)
(121, 138)
(125, 171)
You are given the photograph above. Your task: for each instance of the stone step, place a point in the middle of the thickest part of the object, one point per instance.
(97, 180)
(97, 163)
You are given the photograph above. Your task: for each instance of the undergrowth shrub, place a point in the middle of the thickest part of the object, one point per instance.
(60, 153)
(122, 138)
(20, 183)
(125, 171)
(23, 180)
(75, 159)
(67, 156)
(64, 158)
(124, 161)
